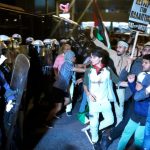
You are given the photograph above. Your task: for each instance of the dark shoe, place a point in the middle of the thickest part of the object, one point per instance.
(97, 146)
(69, 114)
(105, 142)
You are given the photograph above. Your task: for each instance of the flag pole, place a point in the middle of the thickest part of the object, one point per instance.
(133, 48)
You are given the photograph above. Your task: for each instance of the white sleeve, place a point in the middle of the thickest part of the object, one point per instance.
(148, 89)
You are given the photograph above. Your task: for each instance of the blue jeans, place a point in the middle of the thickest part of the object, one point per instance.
(130, 129)
(83, 103)
(146, 144)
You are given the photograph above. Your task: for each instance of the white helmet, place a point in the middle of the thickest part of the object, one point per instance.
(18, 36)
(29, 39)
(37, 43)
(4, 38)
(47, 41)
(5, 42)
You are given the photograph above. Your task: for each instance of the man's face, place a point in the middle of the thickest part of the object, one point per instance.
(95, 60)
(66, 48)
(146, 65)
(146, 50)
(121, 50)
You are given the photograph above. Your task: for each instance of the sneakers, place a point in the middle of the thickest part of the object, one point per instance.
(96, 146)
(69, 114)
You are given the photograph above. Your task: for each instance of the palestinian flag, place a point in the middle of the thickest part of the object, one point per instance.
(101, 31)
(82, 116)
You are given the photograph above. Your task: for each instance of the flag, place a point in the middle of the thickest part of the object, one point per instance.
(101, 31)
(81, 116)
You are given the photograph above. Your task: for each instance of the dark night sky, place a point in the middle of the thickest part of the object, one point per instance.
(12, 2)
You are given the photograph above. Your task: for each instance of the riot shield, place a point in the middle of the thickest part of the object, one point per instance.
(18, 83)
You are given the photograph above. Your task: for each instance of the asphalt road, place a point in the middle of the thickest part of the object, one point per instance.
(66, 135)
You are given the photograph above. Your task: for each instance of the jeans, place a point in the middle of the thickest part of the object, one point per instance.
(83, 103)
(146, 144)
(130, 129)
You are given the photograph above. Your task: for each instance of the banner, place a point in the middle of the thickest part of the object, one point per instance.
(140, 15)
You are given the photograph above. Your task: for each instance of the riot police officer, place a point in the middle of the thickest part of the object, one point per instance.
(5, 43)
(35, 75)
(6, 97)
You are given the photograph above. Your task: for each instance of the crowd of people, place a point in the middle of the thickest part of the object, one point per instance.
(103, 78)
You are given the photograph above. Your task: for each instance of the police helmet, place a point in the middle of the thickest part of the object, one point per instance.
(4, 38)
(38, 45)
(29, 40)
(17, 37)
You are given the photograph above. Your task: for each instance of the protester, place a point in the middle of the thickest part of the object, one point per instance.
(57, 66)
(136, 124)
(98, 88)
(62, 85)
(136, 68)
(119, 58)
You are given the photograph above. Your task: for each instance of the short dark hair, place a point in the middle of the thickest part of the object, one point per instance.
(99, 52)
(147, 57)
